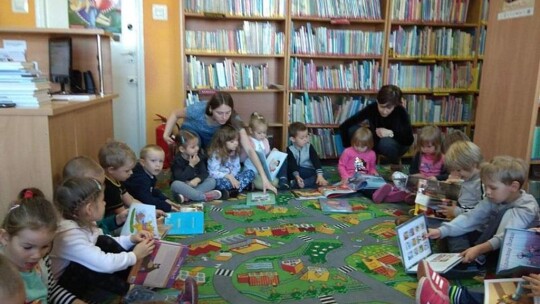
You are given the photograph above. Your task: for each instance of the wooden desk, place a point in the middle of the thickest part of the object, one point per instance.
(36, 143)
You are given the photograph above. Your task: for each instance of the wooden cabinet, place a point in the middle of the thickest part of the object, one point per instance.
(507, 112)
(37, 142)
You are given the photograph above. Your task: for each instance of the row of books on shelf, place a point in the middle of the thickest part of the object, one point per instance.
(326, 143)
(258, 38)
(432, 109)
(356, 75)
(246, 8)
(316, 109)
(322, 40)
(226, 75)
(454, 11)
(535, 153)
(425, 42)
(21, 83)
(360, 9)
(439, 76)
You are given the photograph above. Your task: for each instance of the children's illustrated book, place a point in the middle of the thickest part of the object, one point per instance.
(365, 182)
(188, 220)
(272, 163)
(414, 247)
(507, 291)
(431, 194)
(520, 252)
(141, 217)
(161, 267)
(260, 198)
(322, 192)
(335, 205)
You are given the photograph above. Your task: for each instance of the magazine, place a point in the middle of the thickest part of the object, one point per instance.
(414, 247)
(365, 182)
(322, 192)
(161, 267)
(335, 205)
(141, 217)
(260, 198)
(272, 163)
(507, 291)
(188, 220)
(431, 194)
(520, 252)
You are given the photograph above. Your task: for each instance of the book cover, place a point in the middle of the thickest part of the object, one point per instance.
(432, 194)
(161, 267)
(507, 291)
(334, 205)
(260, 198)
(520, 252)
(322, 192)
(364, 181)
(272, 163)
(141, 217)
(188, 220)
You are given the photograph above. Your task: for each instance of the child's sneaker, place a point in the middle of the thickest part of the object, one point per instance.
(180, 199)
(233, 193)
(425, 270)
(224, 194)
(427, 293)
(380, 194)
(283, 184)
(212, 195)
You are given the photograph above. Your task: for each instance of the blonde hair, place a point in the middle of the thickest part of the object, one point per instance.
(148, 148)
(256, 120)
(82, 166)
(362, 137)
(115, 154)
(218, 145)
(74, 194)
(453, 136)
(430, 135)
(463, 155)
(504, 169)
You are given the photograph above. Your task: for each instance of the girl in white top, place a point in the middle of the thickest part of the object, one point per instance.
(84, 260)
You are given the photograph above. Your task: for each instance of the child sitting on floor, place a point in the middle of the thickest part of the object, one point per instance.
(359, 157)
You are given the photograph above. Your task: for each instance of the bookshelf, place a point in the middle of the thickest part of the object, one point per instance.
(507, 113)
(336, 55)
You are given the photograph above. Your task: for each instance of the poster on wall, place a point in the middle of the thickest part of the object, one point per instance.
(103, 14)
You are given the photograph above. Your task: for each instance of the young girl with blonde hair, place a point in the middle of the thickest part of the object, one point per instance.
(359, 157)
(428, 162)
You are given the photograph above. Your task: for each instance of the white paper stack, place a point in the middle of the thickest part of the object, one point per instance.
(22, 84)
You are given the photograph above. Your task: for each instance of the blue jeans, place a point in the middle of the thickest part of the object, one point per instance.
(244, 177)
(308, 175)
(390, 148)
(193, 194)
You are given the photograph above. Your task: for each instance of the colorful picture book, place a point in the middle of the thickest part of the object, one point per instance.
(432, 194)
(188, 220)
(520, 252)
(272, 163)
(365, 182)
(161, 267)
(507, 291)
(322, 192)
(141, 217)
(414, 247)
(260, 198)
(335, 205)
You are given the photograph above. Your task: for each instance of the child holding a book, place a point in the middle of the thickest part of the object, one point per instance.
(191, 181)
(224, 163)
(142, 183)
(257, 130)
(304, 167)
(506, 206)
(86, 262)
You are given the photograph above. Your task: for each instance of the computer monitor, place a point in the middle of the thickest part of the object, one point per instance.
(60, 60)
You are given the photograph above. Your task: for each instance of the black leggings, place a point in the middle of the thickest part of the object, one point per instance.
(83, 282)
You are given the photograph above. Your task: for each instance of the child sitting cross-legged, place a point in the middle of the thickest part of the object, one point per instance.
(359, 157)
(190, 179)
(224, 163)
(303, 164)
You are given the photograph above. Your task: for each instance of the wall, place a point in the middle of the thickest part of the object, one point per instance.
(162, 63)
(11, 19)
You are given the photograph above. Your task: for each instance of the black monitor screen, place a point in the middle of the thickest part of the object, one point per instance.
(60, 60)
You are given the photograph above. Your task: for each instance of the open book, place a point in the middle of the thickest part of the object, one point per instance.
(141, 217)
(335, 205)
(272, 163)
(161, 267)
(322, 192)
(431, 194)
(188, 220)
(507, 291)
(260, 198)
(520, 252)
(414, 247)
(364, 182)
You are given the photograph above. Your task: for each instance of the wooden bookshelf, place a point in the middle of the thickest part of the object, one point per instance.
(508, 108)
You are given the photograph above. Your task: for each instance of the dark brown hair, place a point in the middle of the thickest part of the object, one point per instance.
(73, 194)
(30, 212)
(296, 127)
(218, 146)
(389, 95)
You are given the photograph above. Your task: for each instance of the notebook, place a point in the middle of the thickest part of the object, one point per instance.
(414, 247)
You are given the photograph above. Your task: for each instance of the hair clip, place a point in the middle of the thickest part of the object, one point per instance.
(14, 207)
(28, 194)
(98, 184)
